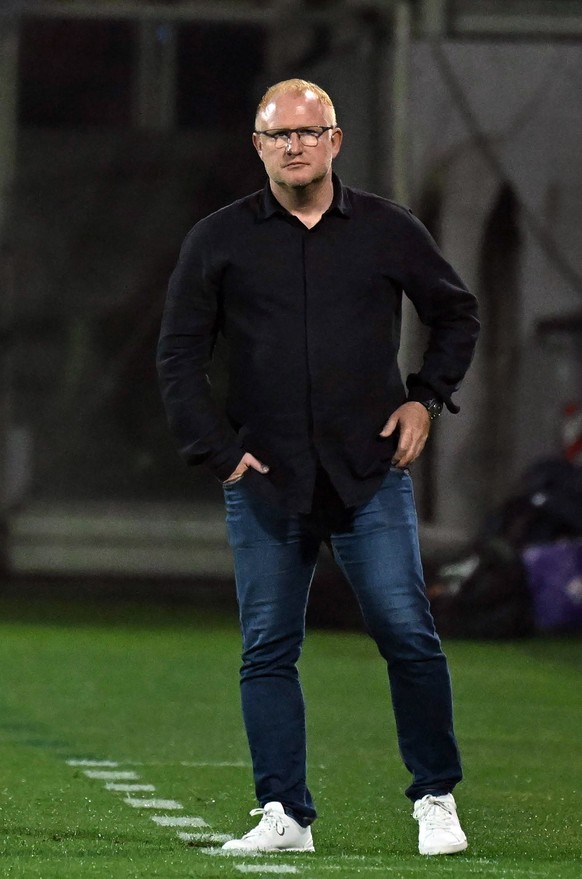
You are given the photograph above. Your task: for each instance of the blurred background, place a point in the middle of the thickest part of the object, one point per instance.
(122, 123)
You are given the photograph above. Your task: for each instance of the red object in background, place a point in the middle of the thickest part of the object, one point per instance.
(572, 432)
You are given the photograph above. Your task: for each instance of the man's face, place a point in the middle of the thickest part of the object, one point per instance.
(297, 165)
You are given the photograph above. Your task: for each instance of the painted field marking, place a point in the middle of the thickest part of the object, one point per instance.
(265, 868)
(129, 788)
(104, 775)
(124, 781)
(138, 803)
(217, 838)
(179, 821)
(212, 850)
(110, 763)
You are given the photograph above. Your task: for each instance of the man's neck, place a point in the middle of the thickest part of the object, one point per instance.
(307, 203)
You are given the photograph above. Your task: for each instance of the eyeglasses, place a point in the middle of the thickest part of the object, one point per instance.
(281, 138)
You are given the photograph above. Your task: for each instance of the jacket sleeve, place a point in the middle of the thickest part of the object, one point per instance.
(446, 307)
(189, 329)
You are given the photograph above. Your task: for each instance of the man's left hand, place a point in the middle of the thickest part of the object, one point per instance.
(414, 422)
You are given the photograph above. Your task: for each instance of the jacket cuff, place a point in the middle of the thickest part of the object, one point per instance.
(420, 393)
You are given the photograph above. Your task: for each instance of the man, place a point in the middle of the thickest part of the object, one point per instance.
(304, 279)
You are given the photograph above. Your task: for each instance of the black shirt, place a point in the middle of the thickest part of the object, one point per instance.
(311, 318)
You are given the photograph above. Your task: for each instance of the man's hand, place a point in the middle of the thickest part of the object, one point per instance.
(245, 462)
(414, 423)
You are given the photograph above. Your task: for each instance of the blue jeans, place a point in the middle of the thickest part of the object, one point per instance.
(376, 547)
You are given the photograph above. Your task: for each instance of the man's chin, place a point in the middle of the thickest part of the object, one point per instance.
(297, 177)
(293, 181)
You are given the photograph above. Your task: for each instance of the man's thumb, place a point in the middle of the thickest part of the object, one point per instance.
(389, 427)
(258, 465)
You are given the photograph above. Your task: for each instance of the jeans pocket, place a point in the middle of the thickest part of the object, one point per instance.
(232, 483)
(395, 469)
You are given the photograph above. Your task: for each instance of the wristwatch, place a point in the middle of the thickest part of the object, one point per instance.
(434, 407)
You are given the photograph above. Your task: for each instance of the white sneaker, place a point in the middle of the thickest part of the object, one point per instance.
(275, 832)
(439, 831)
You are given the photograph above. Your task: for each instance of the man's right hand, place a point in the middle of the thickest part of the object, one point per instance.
(245, 462)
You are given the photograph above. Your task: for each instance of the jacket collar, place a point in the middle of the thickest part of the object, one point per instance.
(269, 206)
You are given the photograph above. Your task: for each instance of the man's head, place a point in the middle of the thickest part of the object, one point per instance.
(296, 87)
(296, 135)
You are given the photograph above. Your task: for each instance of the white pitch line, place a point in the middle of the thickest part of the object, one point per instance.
(265, 868)
(212, 850)
(233, 853)
(129, 788)
(217, 838)
(110, 763)
(179, 821)
(105, 775)
(139, 803)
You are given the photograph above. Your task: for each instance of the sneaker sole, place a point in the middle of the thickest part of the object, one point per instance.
(449, 850)
(266, 851)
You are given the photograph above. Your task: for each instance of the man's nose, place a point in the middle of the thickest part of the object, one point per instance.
(294, 145)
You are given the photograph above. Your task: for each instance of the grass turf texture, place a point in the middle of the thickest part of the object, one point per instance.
(156, 689)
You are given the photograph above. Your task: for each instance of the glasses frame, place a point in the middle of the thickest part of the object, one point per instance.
(284, 134)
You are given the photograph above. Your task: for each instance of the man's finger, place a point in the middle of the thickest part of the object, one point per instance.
(389, 427)
(245, 462)
(253, 462)
(408, 453)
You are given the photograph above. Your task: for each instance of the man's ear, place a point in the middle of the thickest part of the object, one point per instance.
(336, 139)
(258, 144)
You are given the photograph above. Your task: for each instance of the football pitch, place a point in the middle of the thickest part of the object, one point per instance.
(122, 751)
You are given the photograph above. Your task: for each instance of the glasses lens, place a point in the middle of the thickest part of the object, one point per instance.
(283, 139)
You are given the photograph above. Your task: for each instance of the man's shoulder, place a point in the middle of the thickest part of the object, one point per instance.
(385, 214)
(235, 211)
(223, 225)
(377, 203)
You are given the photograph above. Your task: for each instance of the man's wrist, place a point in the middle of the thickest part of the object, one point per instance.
(434, 407)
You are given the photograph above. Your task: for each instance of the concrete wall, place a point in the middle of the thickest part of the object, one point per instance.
(520, 99)
(525, 99)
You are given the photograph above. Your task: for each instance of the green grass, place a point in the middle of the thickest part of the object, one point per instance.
(156, 689)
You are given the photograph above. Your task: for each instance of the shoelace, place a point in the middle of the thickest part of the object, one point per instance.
(269, 821)
(436, 813)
